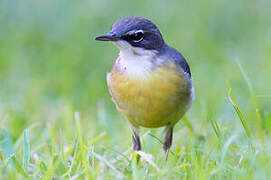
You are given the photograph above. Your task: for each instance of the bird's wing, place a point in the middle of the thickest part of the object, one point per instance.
(180, 60)
(184, 65)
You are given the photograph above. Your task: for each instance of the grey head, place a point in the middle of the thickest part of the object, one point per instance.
(141, 33)
(137, 31)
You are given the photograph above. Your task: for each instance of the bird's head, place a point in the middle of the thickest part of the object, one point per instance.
(134, 32)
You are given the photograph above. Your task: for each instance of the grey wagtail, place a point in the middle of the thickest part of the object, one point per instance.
(150, 82)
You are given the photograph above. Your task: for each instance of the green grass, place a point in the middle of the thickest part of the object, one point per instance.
(58, 121)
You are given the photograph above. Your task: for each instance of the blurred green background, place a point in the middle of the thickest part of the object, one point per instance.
(50, 66)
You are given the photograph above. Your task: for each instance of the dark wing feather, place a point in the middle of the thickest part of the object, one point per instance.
(179, 59)
(184, 65)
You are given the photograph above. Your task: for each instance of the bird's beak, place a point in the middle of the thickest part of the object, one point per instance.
(107, 37)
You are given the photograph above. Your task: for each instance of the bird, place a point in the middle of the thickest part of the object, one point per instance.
(150, 82)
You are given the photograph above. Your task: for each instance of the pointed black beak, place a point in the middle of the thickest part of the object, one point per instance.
(107, 37)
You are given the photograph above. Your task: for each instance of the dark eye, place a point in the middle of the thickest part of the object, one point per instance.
(137, 36)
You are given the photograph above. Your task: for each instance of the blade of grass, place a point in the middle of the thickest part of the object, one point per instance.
(214, 124)
(117, 152)
(148, 158)
(226, 147)
(215, 127)
(82, 147)
(43, 167)
(241, 117)
(26, 155)
(50, 169)
(256, 106)
(7, 144)
(53, 139)
(20, 139)
(74, 155)
(232, 100)
(109, 164)
(18, 166)
(97, 138)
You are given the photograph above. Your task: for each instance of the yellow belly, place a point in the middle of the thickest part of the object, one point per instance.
(159, 99)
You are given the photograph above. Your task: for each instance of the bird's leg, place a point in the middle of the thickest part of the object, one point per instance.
(168, 140)
(136, 143)
(135, 139)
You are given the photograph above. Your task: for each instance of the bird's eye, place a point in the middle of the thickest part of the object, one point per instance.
(137, 36)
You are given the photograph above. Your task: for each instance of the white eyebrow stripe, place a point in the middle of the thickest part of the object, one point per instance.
(140, 30)
(134, 31)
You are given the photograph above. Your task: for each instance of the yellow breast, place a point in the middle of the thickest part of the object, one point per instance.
(159, 99)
